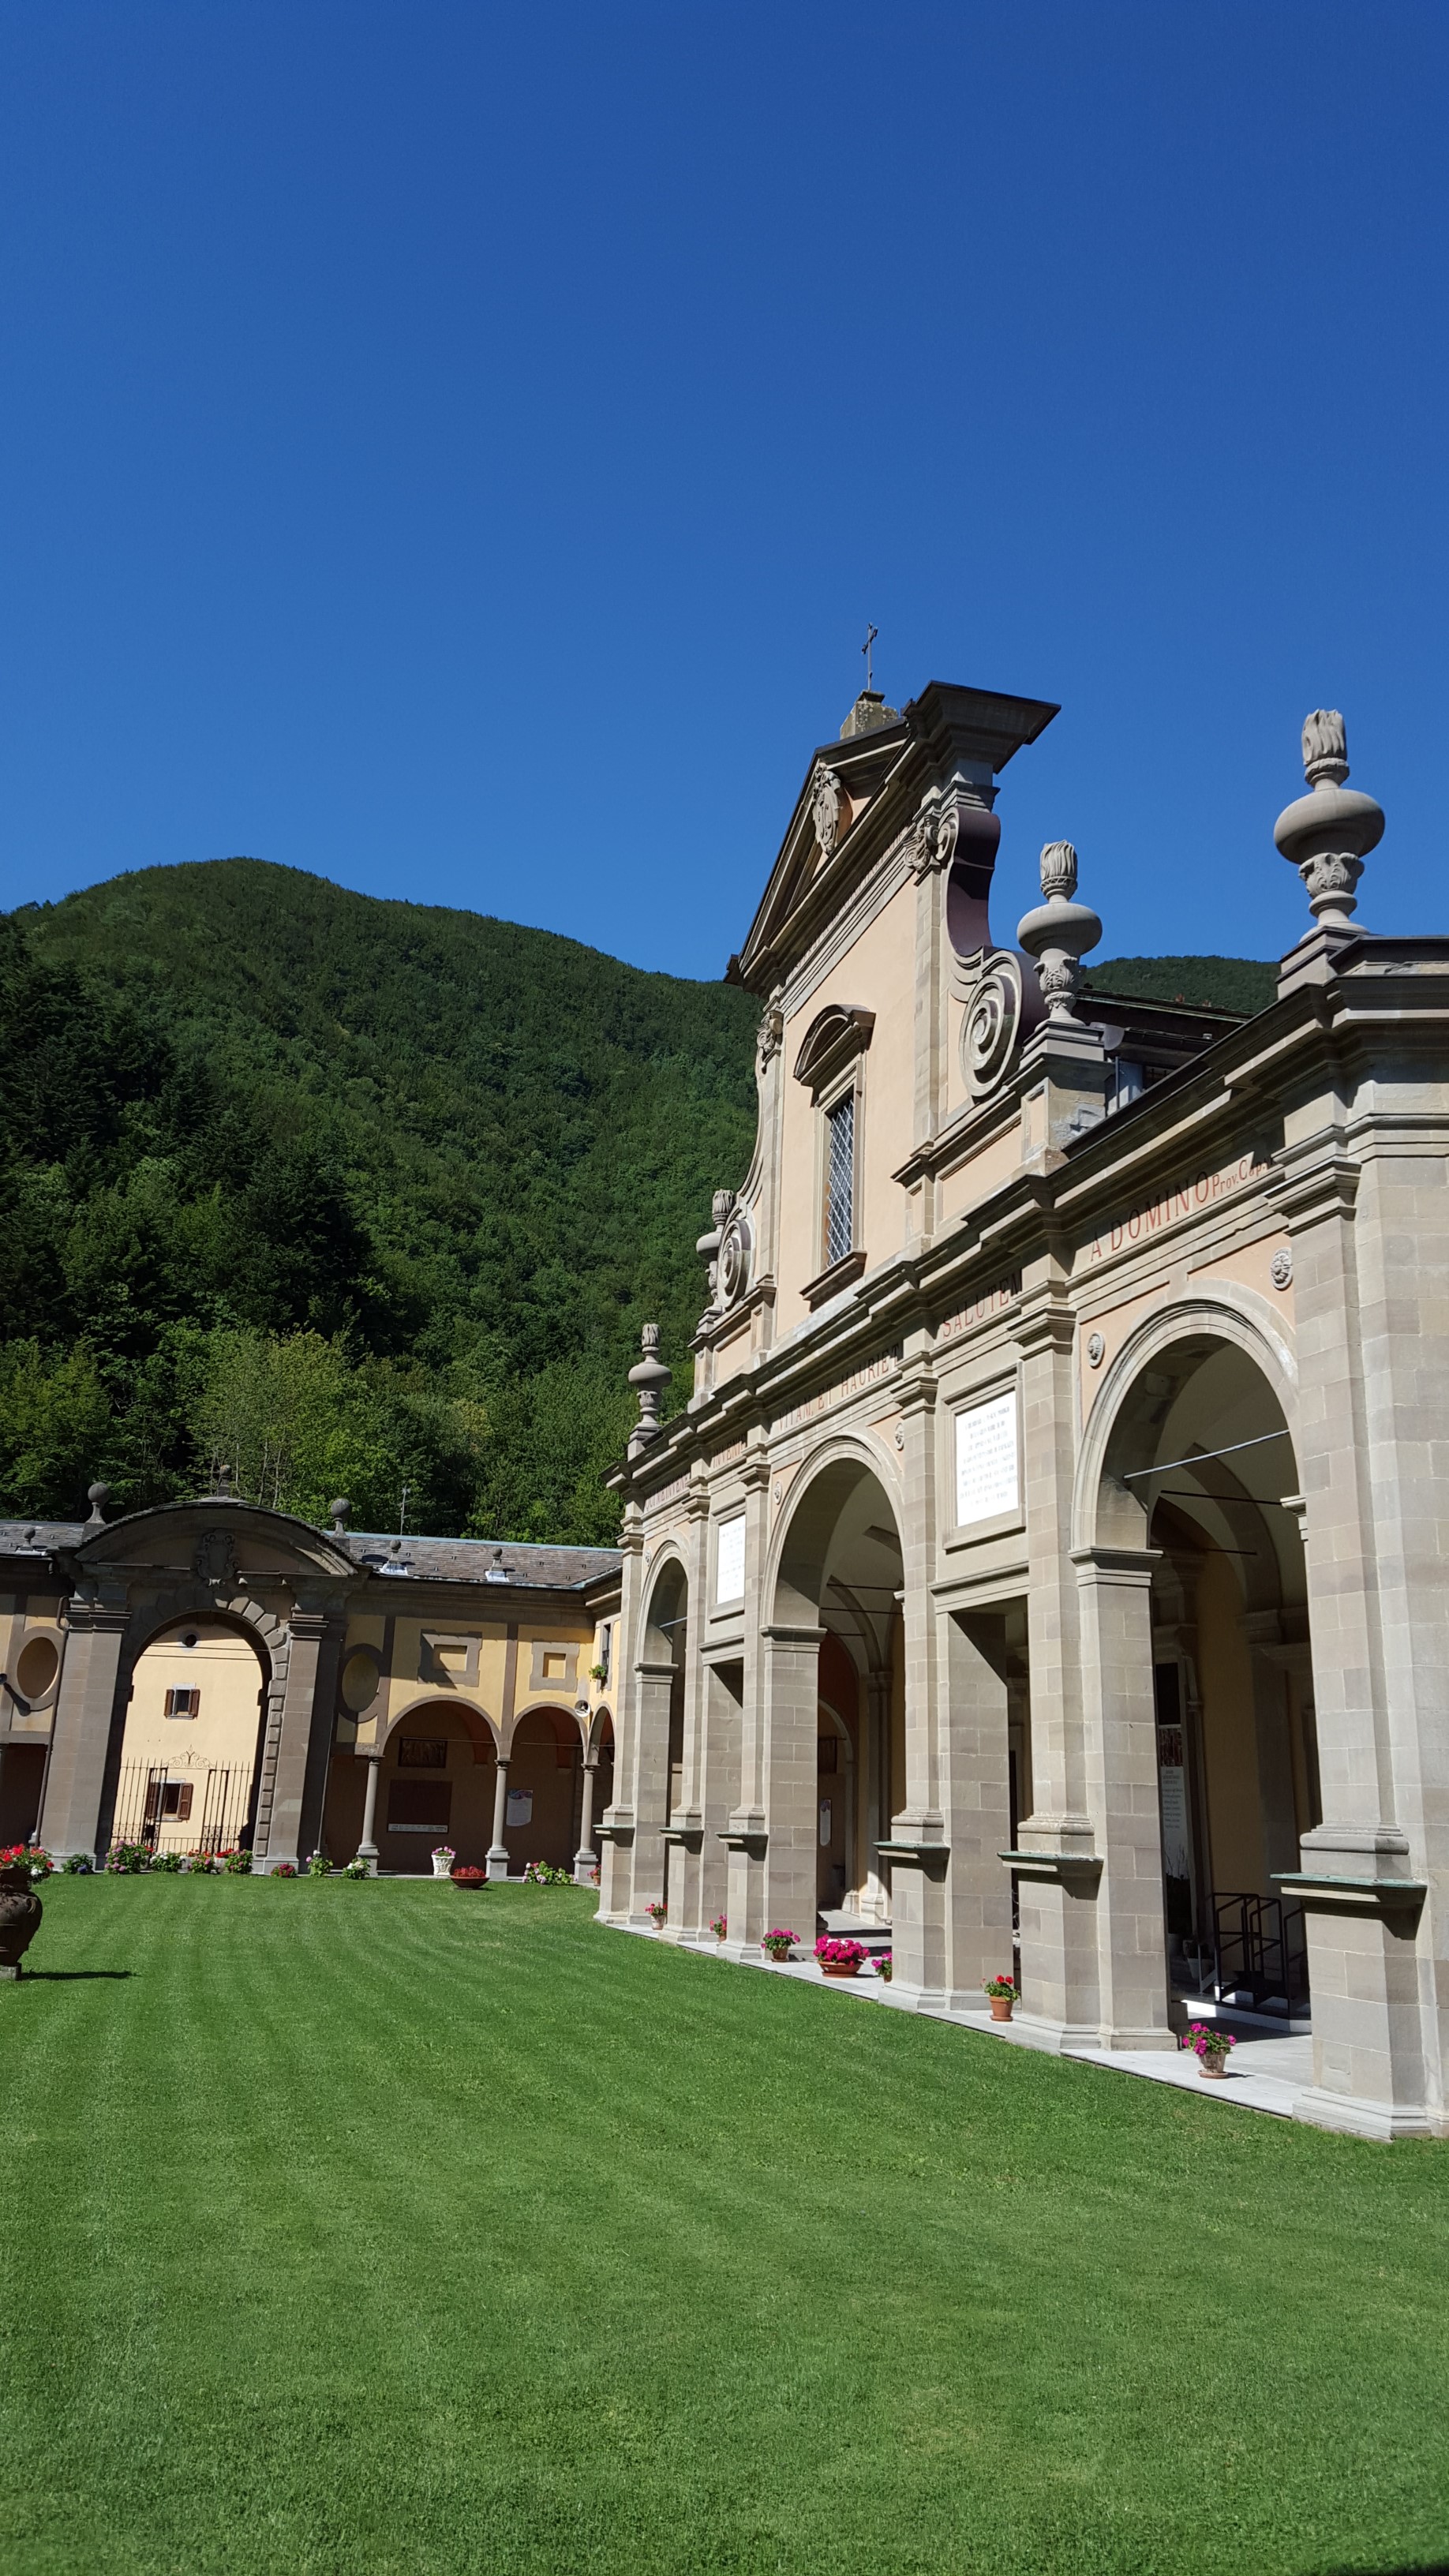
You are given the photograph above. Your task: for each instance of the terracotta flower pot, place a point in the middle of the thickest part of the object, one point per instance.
(1216, 2064)
(1000, 2007)
(20, 1913)
(837, 1968)
(466, 1878)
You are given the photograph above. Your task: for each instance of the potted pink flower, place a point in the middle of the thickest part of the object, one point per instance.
(1003, 1992)
(720, 1926)
(1209, 2046)
(443, 1859)
(883, 1965)
(841, 1958)
(777, 1945)
(658, 1913)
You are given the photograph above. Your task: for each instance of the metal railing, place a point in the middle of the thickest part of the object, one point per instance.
(185, 1811)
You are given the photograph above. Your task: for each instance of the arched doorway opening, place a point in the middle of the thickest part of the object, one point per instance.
(660, 1679)
(1201, 1469)
(544, 1808)
(435, 1785)
(840, 1572)
(191, 1743)
(598, 1793)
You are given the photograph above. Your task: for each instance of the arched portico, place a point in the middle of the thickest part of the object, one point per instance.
(1171, 1792)
(825, 1667)
(186, 1771)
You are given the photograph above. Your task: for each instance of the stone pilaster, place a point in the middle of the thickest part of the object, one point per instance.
(918, 1847)
(616, 1825)
(1057, 1896)
(976, 1798)
(697, 1866)
(1120, 1732)
(746, 1826)
(1371, 1424)
(86, 1716)
(294, 1760)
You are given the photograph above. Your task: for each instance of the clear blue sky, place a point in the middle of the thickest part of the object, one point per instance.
(458, 450)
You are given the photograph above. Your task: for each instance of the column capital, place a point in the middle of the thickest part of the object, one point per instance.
(1117, 1564)
(780, 1635)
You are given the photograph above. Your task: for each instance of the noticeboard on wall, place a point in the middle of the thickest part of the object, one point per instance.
(988, 1466)
(729, 1561)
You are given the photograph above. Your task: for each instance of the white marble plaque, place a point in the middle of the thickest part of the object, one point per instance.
(987, 1478)
(1172, 1789)
(520, 1806)
(826, 1824)
(729, 1563)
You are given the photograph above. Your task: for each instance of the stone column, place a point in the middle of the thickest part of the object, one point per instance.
(616, 1826)
(85, 1716)
(746, 1827)
(976, 1797)
(1373, 1421)
(919, 1848)
(294, 1764)
(791, 1677)
(367, 1848)
(649, 1787)
(1120, 1728)
(585, 1859)
(1058, 1890)
(697, 1867)
(496, 1860)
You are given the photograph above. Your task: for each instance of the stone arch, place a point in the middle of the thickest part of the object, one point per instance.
(555, 1709)
(594, 1736)
(148, 1626)
(822, 1483)
(1104, 1513)
(667, 1581)
(482, 1730)
(1187, 1487)
(834, 1574)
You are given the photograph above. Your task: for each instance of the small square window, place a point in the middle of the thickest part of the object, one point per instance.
(183, 1703)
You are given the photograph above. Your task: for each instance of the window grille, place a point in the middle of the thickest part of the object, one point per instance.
(183, 1703)
(422, 1753)
(839, 1179)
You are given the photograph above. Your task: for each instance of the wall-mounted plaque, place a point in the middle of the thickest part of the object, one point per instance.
(729, 1563)
(988, 1476)
(520, 1806)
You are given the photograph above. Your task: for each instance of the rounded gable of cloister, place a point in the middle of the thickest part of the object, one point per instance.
(1104, 1511)
(481, 1729)
(666, 1588)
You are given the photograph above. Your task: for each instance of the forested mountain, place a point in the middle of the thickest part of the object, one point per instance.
(361, 1196)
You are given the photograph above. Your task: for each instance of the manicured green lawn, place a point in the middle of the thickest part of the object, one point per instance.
(362, 2228)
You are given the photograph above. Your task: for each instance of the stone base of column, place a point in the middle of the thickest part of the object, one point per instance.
(1356, 2118)
(586, 1869)
(272, 1861)
(496, 1861)
(370, 1853)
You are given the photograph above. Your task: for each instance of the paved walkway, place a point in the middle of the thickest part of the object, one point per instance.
(1263, 2074)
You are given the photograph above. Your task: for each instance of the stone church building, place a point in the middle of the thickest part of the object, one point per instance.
(1047, 1565)
(1050, 1550)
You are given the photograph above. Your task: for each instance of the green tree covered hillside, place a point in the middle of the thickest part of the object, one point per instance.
(357, 1195)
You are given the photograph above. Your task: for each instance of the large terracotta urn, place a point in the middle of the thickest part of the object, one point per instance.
(20, 1913)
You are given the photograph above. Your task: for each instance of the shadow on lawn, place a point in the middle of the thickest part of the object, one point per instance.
(70, 1976)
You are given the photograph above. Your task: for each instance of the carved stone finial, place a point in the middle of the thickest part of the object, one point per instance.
(97, 1496)
(1059, 932)
(771, 1035)
(649, 1377)
(1325, 747)
(341, 1511)
(1327, 834)
(826, 800)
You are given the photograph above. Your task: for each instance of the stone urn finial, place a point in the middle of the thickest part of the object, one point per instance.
(1060, 931)
(650, 1377)
(97, 1496)
(1328, 834)
(341, 1511)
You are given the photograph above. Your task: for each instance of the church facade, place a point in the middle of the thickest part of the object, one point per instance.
(1047, 1565)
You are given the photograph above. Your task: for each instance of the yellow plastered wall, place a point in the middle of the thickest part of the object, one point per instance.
(878, 974)
(222, 1736)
